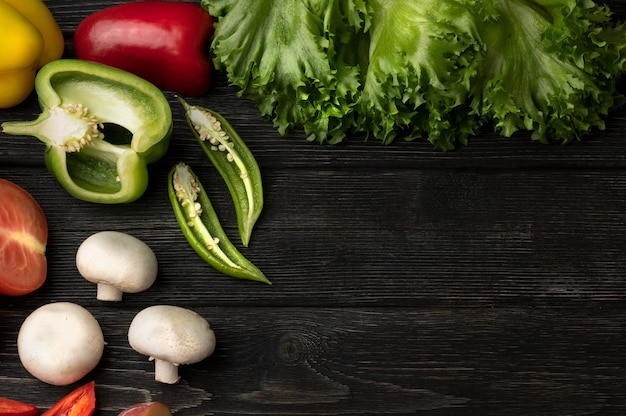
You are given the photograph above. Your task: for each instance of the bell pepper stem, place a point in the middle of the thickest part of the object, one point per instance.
(69, 126)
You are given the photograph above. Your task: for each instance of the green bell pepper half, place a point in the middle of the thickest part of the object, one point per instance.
(102, 126)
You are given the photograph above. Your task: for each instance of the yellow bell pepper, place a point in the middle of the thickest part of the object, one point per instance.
(29, 38)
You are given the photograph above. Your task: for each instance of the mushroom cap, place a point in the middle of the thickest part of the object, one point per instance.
(117, 259)
(59, 343)
(171, 333)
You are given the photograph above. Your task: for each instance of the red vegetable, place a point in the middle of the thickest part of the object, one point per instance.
(164, 42)
(147, 409)
(80, 402)
(10, 407)
(23, 239)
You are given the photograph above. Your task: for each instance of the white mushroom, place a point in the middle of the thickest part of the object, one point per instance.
(117, 263)
(171, 336)
(59, 343)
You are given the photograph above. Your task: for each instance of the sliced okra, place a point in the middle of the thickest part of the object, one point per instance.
(201, 227)
(233, 160)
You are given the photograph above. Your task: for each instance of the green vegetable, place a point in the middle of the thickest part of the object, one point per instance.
(423, 69)
(101, 127)
(233, 160)
(201, 227)
(422, 58)
(284, 55)
(549, 67)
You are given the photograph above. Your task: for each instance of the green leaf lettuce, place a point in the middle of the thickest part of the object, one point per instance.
(414, 69)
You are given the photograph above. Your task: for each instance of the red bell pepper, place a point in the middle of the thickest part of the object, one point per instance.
(80, 402)
(10, 407)
(164, 42)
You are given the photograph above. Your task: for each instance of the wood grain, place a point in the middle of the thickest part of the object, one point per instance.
(354, 361)
(489, 280)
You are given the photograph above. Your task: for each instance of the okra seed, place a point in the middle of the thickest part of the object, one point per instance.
(230, 157)
(244, 175)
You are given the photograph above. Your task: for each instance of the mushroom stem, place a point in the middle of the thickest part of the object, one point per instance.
(165, 372)
(108, 292)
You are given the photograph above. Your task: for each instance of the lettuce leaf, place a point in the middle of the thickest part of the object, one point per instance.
(410, 69)
(549, 67)
(295, 59)
(423, 56)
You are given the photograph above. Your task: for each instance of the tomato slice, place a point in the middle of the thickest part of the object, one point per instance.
(80, 402)
(23, 239)
(10, 407)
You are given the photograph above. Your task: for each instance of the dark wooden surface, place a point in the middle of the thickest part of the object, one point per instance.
(490, 280)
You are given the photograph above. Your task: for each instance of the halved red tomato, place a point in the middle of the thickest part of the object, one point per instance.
(23, 239)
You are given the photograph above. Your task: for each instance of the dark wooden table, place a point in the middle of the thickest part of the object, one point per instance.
(487, 280)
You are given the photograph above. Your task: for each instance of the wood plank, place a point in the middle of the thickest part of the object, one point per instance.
(303, 361)
(360, 237)
(487, 280)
